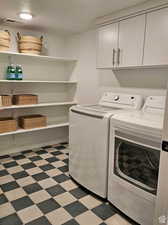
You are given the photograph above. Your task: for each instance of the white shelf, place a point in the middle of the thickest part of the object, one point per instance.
(41, 57)
(38, 81)
(38, 105)
(20, 131)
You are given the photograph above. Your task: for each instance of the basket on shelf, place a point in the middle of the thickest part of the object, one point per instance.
(5, 100)
(32, 121)
(29, 44)
(8, 124)
(25, 99)
(5, 40)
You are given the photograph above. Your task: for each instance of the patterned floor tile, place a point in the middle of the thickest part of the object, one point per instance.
(20, 175)
(6, 209)
(90, 202)
(12, 219)
(39, 196)
(40, 221)
(69, 185)
(117, 220)
(29, 214)
(61, 178)
(88, 218)
(75, 208)
(55, 190)
(9, 186)
(36, 189)
(31, 188)
(48, 205)
(71, 222)
(65, 199)
(104, 211)
(47, 183)
(22, 203)
(15, 169)
(23, 161)
(3, 199)
(26, 181)
(58, 216)
(34, 171)
(78, 192)
(53, 172)
(6, 179)
(15, 194)
(40, 176)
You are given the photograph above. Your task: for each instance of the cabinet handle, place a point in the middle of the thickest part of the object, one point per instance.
(114, 52)
(118, 56)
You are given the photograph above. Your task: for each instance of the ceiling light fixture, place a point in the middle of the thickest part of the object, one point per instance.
(25, 15)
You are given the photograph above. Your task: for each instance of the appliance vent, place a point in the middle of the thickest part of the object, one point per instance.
(9, 21)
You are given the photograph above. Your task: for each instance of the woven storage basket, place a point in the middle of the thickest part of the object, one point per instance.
(27, 99)
(4, 40)
(5, 100)
(32, 121)
(7, 124)
(29, 44)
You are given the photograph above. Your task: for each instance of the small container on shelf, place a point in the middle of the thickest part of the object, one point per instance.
(25, 99)
(5, 40)
(19, 72)
(29, 44)
(11, 72)
(5, 100)
(32, 121)
(7, 124)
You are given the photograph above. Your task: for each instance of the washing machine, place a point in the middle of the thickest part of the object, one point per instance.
(89, 139)
(134, 154)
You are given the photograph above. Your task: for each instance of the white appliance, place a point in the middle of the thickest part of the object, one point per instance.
(134, 154)
(89, 138)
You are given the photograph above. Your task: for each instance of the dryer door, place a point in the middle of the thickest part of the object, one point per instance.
(88, 151)
(137, 164)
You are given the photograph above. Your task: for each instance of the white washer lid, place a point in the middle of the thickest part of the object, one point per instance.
(95, 110)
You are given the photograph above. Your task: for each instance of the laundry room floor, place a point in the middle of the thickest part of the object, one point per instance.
(36, 190)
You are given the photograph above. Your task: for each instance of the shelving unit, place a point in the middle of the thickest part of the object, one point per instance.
(51, 79)
(41, 57)
(21, 131)
(38, 105)
(38, 81)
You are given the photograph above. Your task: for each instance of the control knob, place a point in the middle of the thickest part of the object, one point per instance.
(116, 98)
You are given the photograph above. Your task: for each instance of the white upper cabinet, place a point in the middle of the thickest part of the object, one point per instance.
(107, 46)
(156, 43)
(131, 41)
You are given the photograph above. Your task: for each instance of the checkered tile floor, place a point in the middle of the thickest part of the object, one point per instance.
(37, 190)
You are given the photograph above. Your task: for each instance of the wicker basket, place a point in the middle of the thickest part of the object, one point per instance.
(32, 121)
(29, 44)
(5, 100)
(27, 99)
(4, 40)
(7, 125)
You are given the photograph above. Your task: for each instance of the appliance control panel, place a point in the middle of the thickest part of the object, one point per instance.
(121, 100)
(154, 104)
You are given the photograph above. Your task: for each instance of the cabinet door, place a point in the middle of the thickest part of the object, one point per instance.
(156, 43)
(107, 46)
(131, 41)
